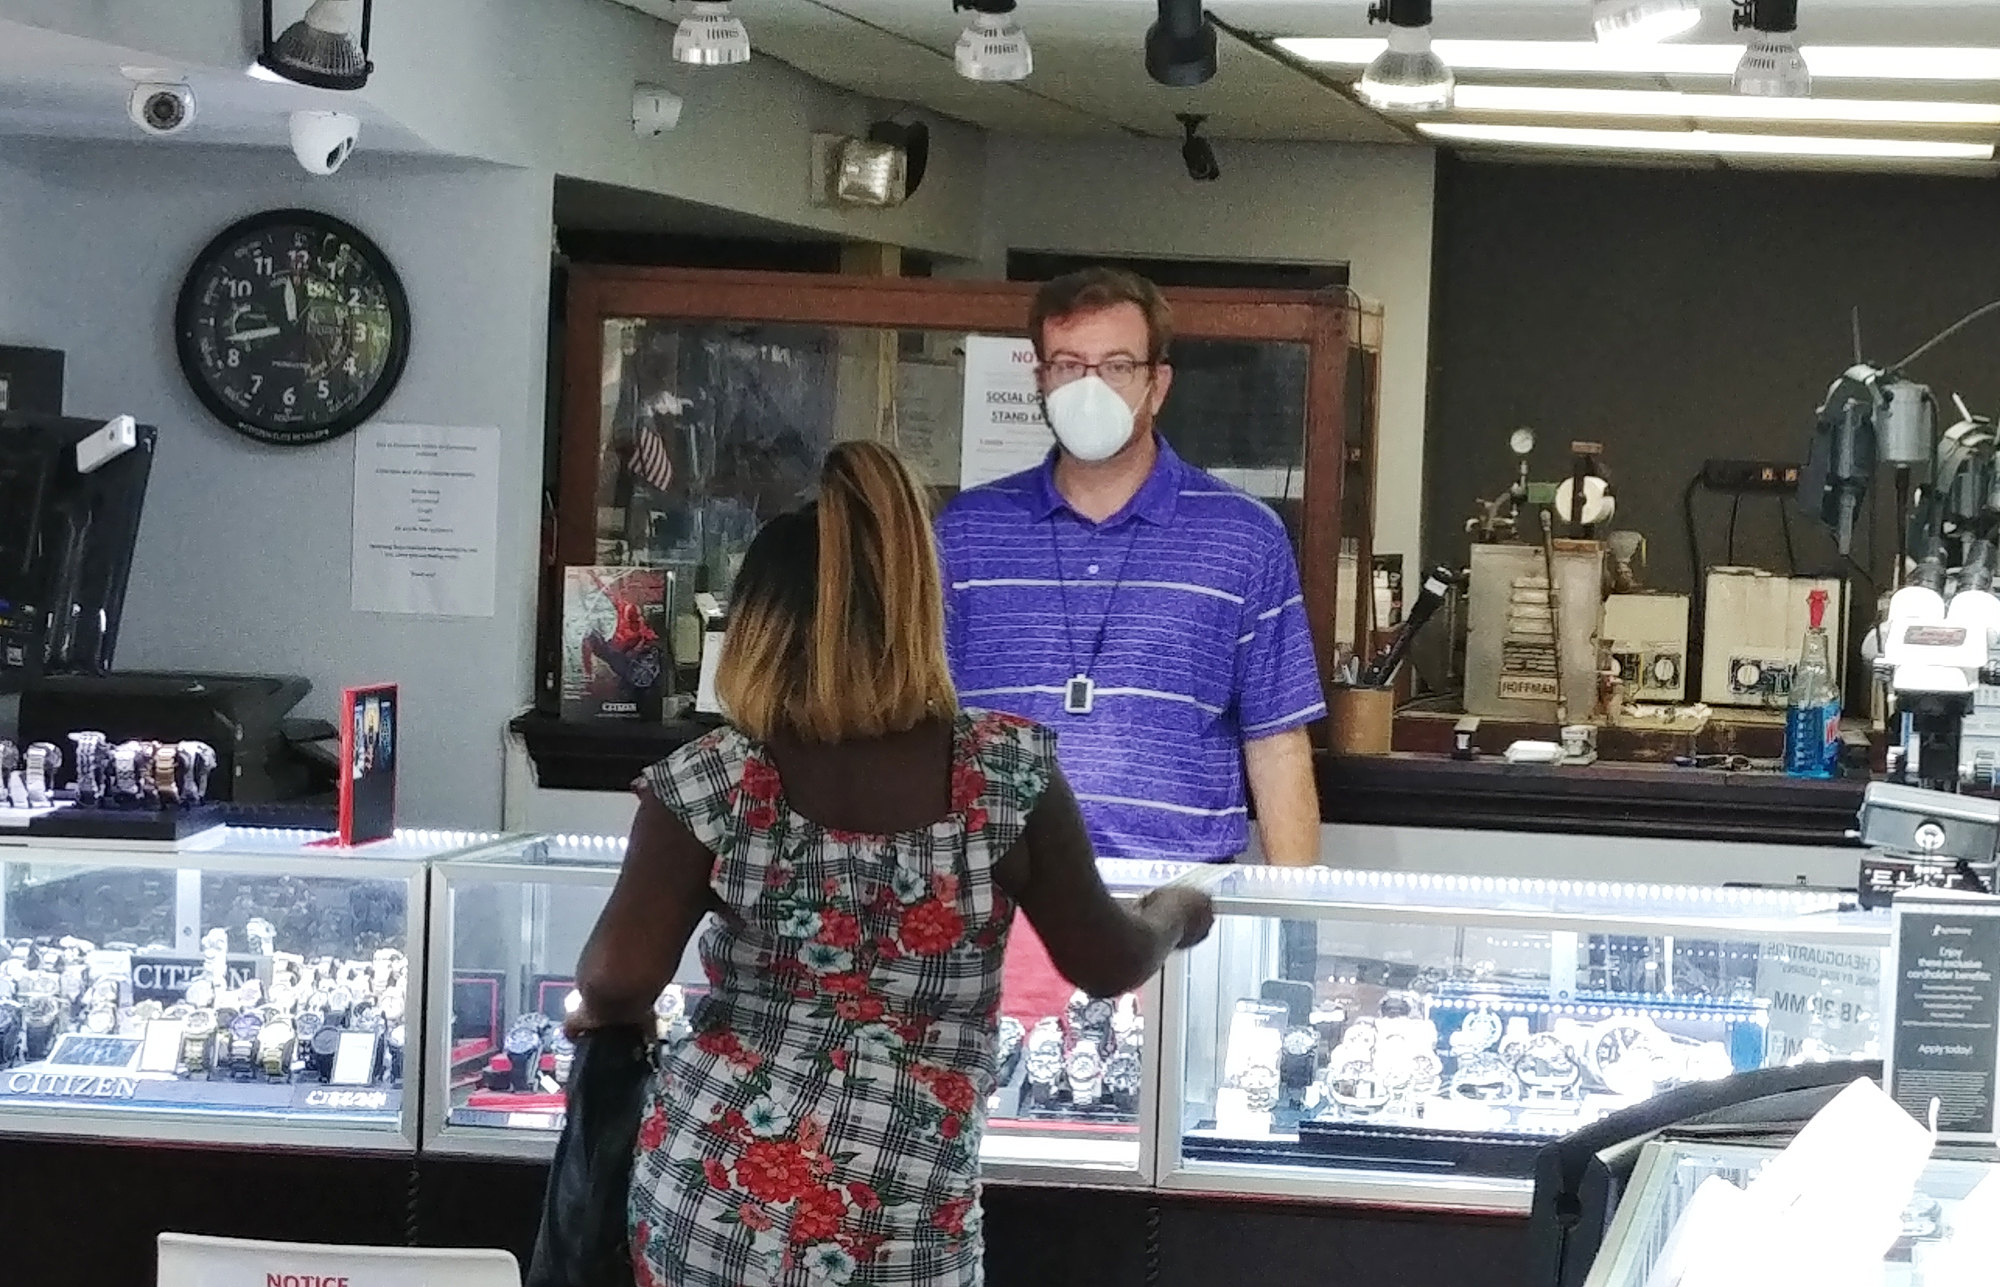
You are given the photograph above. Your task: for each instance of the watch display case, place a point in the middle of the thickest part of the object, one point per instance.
(251, 979)
(1414, 1040)
(1948, 1234)
(1076, 1075)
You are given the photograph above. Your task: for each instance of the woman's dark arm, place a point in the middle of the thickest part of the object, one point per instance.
(1096, 943)
(661, 895)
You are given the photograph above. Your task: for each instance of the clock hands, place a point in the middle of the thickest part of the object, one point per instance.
(244, 337)
(291, 302)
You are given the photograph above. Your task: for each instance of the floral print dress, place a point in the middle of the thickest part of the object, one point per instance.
(821, 1125)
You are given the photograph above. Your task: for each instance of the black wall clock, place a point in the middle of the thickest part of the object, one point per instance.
(292, 327)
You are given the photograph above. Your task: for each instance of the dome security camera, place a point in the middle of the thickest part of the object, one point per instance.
(161, 109)
(322, 141)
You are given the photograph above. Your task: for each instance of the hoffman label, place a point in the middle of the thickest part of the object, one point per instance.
(1946, 1042)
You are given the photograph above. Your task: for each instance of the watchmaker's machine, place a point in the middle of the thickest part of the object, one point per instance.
(1534, 609)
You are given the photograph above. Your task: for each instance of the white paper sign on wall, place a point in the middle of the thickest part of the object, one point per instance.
(426, 519)
(1004, 430)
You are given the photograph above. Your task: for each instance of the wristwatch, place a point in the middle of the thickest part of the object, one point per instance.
(523, 1048)
(1085, 1072)
(1259, 1084)
(39, 765)
(243, 1032)
(199, 993)
(394, 1044)
(101, 1020)
(166, 768)
(1619, 1053)
(10, 1033)
(305, 1025)
(560, 1046)
(91, 761)
(197, 761)
(1484, 1079)
(41, 1022)
(262, 936)
(1479, 1032)
(122, 786)
(1121, 1079)
(1546, 1069)
(1358, 1094)
(1043, 1055)
(1298, 1057)
(274, 1047)
(196, 1039)
(1007, 1050)
(325, 1045)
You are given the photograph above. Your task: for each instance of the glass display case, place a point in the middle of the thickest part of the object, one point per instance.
(1948, 1235)
(1413, 1040)
(1077, 1076)
(247, 980)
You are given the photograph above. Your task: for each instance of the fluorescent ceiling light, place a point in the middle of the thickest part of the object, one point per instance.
(1703, 143)
(1828, 62)
(1551, 101)
(1643, 22)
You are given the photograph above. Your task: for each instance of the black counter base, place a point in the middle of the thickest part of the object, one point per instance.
(92, 1211)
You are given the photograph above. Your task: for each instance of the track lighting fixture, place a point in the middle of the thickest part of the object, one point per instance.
(327, 48)
(1407, 77)
(1772, 66)
(711, 36)
(992, 46)
(1180, 45)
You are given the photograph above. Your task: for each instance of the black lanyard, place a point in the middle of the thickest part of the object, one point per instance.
(1084, 672)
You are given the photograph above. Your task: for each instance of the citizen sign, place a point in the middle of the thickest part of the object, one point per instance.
(72, 1085)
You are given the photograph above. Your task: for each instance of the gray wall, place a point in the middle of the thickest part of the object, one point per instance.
(1367, 207)
(1676, 315)
(245, 549)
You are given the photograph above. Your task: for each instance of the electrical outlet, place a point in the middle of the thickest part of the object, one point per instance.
(1750, 475)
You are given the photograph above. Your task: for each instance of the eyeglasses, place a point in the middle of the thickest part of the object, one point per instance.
(1118, 372)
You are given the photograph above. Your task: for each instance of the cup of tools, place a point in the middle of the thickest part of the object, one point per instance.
(1361, 719)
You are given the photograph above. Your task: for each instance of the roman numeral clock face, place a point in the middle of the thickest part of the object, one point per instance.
(292, 327)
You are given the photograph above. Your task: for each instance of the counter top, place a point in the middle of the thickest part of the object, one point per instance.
(1403, 789)
(1600, 799)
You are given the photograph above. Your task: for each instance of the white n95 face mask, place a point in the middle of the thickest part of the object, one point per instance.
(1091, 421)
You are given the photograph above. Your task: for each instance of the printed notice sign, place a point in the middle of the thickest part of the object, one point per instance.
(426, 519)
(1004, 430)
(1946, 1034)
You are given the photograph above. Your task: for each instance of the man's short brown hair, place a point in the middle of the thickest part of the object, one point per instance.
(1091, 290)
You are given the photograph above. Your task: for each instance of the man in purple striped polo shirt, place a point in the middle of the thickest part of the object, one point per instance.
(1145, 610)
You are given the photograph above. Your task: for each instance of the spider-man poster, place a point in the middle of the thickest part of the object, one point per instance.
(617, 661)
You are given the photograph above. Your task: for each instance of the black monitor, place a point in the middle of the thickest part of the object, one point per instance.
(66, 542)
(1580, 1178)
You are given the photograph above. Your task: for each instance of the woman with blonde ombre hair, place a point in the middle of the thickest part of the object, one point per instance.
(863, 843)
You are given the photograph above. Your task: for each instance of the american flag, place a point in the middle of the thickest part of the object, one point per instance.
(651, 461)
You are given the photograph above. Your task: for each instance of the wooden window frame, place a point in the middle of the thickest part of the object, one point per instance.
(1330, 323)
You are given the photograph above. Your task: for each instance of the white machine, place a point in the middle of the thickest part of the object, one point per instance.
(1752, 625)
(1646, 638)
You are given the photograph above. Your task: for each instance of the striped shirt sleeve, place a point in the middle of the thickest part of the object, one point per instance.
(1277, 676)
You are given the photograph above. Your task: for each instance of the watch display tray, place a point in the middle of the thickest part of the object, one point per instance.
(1364, 1146)
(129, 824)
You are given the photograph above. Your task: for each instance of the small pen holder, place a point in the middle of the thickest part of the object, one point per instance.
(1361, 721)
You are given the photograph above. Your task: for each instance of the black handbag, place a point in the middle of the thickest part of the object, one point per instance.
(583, 1240)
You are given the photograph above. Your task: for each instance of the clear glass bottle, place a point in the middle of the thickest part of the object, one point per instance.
(1812, 719)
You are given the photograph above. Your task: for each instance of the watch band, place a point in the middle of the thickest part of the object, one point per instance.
(166, 769)
(39, 766)
(197, 761)
(90, 765)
